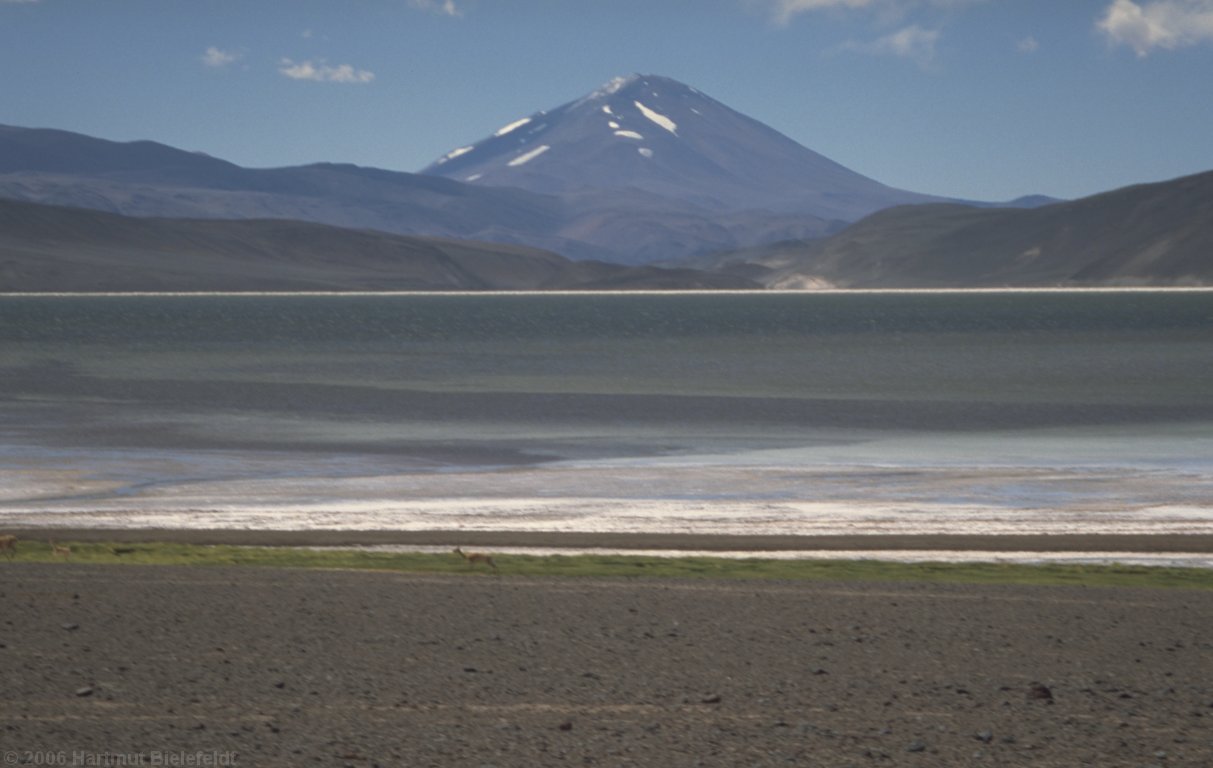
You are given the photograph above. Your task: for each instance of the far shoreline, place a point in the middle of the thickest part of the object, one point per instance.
(644, 292)
(688, 542)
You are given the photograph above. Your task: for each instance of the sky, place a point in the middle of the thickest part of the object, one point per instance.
(977, 99)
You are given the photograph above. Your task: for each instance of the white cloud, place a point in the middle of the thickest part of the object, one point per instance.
(324, 73)
(1166, 24)
(217, 57)
(1027, 45)
(912, 42)
(444, 7)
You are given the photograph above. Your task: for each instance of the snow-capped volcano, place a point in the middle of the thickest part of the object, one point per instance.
(658, 135)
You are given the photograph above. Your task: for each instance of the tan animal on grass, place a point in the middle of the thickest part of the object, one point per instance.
(59, 550)
(475, 557)
(8, 543)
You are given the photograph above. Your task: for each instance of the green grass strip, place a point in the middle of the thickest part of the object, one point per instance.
(626, 565)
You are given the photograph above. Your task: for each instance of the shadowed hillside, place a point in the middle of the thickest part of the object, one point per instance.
(50, 248)
(1149, 234)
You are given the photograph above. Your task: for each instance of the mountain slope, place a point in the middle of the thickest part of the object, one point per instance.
(143, 178)
(51, 248)
(1149, 234)
(658, 135)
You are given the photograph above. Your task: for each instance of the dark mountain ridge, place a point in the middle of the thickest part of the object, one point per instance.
(1146, 234)
(52, 248)
(144, 178)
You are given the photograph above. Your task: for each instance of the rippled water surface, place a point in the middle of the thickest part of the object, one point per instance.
(800, 413)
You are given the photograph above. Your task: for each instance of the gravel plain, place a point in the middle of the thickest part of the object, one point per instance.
(130, 665)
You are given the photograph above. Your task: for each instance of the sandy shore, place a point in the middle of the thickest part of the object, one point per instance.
(639, 541)
(267, 667)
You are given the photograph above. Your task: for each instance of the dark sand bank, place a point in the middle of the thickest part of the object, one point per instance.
(290, 668)
(640, 541)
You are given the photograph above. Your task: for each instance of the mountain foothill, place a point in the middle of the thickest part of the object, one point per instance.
(643, 183)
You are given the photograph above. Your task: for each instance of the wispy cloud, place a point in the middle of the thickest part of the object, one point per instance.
(1027, 45)
(1166, 24)
(783, 11)
(321, 72)
(912, 42)
(444, 7)
(217, 57)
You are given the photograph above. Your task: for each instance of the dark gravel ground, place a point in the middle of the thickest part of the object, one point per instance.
(260, 667)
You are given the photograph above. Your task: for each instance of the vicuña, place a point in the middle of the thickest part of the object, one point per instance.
(475, 557)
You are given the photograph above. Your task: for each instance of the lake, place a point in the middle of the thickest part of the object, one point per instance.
(808, 413)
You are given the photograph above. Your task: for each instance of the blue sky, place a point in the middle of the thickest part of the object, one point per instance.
(982, 99)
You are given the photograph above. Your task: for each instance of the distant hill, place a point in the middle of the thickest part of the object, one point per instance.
(53, 248)
(1149, 234)
(642, 170)
(143, 178)
(146, 179)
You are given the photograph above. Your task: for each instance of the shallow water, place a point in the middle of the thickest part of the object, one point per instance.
(729, 413)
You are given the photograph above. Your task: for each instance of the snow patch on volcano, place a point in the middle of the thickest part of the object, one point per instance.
(526, 157)
(658, 118)
(503, 130)
(454, 153)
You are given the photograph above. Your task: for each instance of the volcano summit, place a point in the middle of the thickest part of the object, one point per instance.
(657, 135)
